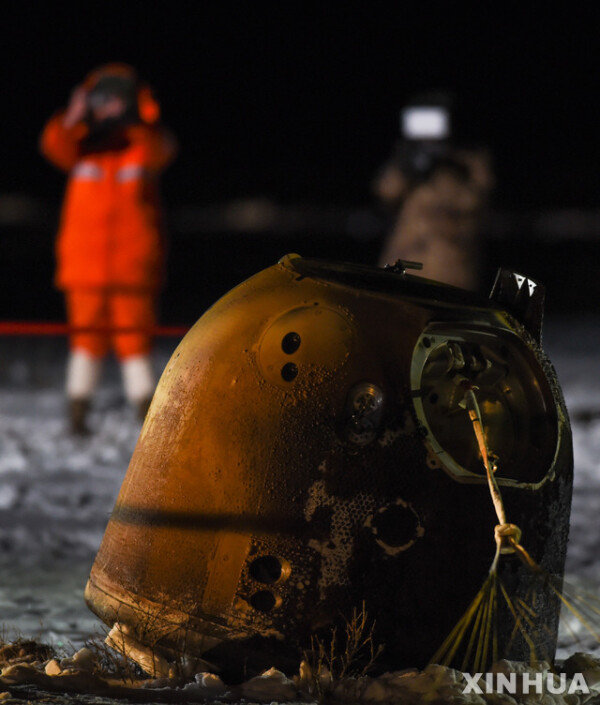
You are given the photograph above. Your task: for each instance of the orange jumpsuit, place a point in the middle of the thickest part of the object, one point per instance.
(109, 247)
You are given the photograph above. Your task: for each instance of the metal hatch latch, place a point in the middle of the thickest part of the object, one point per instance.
(401, 265)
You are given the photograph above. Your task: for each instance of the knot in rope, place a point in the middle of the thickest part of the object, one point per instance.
(507, 536)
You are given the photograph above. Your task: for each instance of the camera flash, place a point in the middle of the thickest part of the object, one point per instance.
(425, 123)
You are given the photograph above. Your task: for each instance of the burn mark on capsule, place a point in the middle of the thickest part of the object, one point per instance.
(396, 527)
(337, 547)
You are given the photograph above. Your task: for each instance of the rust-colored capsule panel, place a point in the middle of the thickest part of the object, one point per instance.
(307, 451)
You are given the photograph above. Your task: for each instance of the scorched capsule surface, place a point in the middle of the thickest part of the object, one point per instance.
(306, 451)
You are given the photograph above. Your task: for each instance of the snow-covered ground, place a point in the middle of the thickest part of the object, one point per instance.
(574, 348)
(56, 491)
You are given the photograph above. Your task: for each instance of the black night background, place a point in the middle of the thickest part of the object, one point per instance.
(298, 103)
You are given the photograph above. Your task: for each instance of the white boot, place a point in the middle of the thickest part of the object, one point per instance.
(83, 372)
(139, 382)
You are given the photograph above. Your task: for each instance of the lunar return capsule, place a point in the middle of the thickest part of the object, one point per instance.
(307, 451)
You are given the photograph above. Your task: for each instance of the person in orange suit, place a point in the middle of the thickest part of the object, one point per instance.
(109, 249)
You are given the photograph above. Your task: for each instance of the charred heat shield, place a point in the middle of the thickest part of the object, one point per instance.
(307, 451)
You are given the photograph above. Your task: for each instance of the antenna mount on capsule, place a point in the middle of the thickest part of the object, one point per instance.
(401, 265)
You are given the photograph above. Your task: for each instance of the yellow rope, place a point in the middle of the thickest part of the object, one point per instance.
(507, 535)
(477, 627)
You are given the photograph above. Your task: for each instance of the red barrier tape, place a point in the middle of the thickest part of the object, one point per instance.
(50, 328)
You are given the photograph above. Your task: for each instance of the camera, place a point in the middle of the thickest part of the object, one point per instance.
(426, 130)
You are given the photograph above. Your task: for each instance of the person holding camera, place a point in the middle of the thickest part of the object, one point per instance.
(110, 243)
(438, 193)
